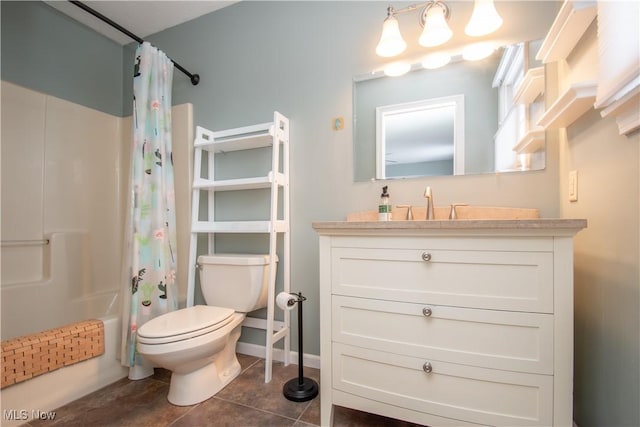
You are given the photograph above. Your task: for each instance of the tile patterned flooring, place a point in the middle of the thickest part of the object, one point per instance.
(247, 401)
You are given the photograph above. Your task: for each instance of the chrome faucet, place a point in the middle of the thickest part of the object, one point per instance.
(428, 194)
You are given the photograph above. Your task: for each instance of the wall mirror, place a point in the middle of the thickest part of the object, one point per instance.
(394, 134)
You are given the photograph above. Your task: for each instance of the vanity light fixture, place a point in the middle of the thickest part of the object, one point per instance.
(433, 18)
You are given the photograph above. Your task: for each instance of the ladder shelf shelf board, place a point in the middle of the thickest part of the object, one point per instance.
(246, 138)
(274, 135)
(255, 183)
(239, 227)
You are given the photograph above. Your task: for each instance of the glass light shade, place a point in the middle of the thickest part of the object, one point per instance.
(391, 42)
(436, 30)
(396, 69)
(436, 60)
(484, 19)
(478, 51)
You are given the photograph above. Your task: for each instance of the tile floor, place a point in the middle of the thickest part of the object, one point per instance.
(247, 401)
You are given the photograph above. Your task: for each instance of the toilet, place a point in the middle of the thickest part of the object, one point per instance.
(198, 344)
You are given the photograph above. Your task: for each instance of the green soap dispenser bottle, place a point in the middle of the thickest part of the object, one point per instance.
(384, 208)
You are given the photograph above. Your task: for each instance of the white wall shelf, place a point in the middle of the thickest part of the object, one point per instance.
(533, 141)
(572, 104)
(531, 86)
(572, 21)
(626, 110)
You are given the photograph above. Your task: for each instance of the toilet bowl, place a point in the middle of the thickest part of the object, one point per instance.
(198, 344)
(201, 357)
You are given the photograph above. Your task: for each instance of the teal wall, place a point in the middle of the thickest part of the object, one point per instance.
(44, 50)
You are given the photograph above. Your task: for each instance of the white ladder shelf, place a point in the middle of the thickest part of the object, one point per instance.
(274, 134)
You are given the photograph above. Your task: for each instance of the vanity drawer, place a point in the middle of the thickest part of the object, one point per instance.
(502, 280)
(472, 394)
(488, 338)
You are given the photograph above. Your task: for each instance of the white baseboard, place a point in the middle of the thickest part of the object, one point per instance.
(309, 360)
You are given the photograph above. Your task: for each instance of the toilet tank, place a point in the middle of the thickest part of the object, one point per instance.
(236, 281)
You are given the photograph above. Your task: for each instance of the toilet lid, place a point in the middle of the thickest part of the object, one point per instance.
(183, 324)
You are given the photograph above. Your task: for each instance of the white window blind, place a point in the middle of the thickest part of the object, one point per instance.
(618, 49)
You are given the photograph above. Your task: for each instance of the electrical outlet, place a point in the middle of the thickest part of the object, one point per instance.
(573, 186)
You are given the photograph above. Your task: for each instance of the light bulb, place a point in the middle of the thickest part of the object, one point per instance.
(391, 42)
(484, 19)
(436, 30)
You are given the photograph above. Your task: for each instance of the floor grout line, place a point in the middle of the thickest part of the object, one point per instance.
(256, 409)
(183, 415)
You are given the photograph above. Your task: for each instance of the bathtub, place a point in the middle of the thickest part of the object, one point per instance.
(62, 297)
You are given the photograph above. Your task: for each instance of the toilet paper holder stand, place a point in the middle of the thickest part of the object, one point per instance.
(299, 389)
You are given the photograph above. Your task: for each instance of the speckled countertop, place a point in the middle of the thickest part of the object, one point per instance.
(553, 225)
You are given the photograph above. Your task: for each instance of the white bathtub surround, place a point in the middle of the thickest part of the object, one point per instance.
(60, 177)
(53, 181)
(57, 300)
(149, 286)
(61, 297)
(56, 189)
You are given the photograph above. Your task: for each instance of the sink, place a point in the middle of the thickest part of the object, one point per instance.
(442, 213)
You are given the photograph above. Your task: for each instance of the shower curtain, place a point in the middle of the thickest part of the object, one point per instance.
(149, 263)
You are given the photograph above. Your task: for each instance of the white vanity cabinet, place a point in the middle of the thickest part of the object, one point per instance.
(448, 322)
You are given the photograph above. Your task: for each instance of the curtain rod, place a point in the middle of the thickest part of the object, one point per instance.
(195, 78)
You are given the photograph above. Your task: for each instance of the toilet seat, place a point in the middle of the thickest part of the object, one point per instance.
(184, 324)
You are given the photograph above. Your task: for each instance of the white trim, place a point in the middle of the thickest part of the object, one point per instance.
(256, 350)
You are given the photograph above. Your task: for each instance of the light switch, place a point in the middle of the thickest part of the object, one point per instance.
(573, 186)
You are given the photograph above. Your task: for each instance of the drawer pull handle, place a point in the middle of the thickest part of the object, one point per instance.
(426, 312)
(426, 256)
(427, 367)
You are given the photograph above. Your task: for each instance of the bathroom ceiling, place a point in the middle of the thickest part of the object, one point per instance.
(142, 18)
